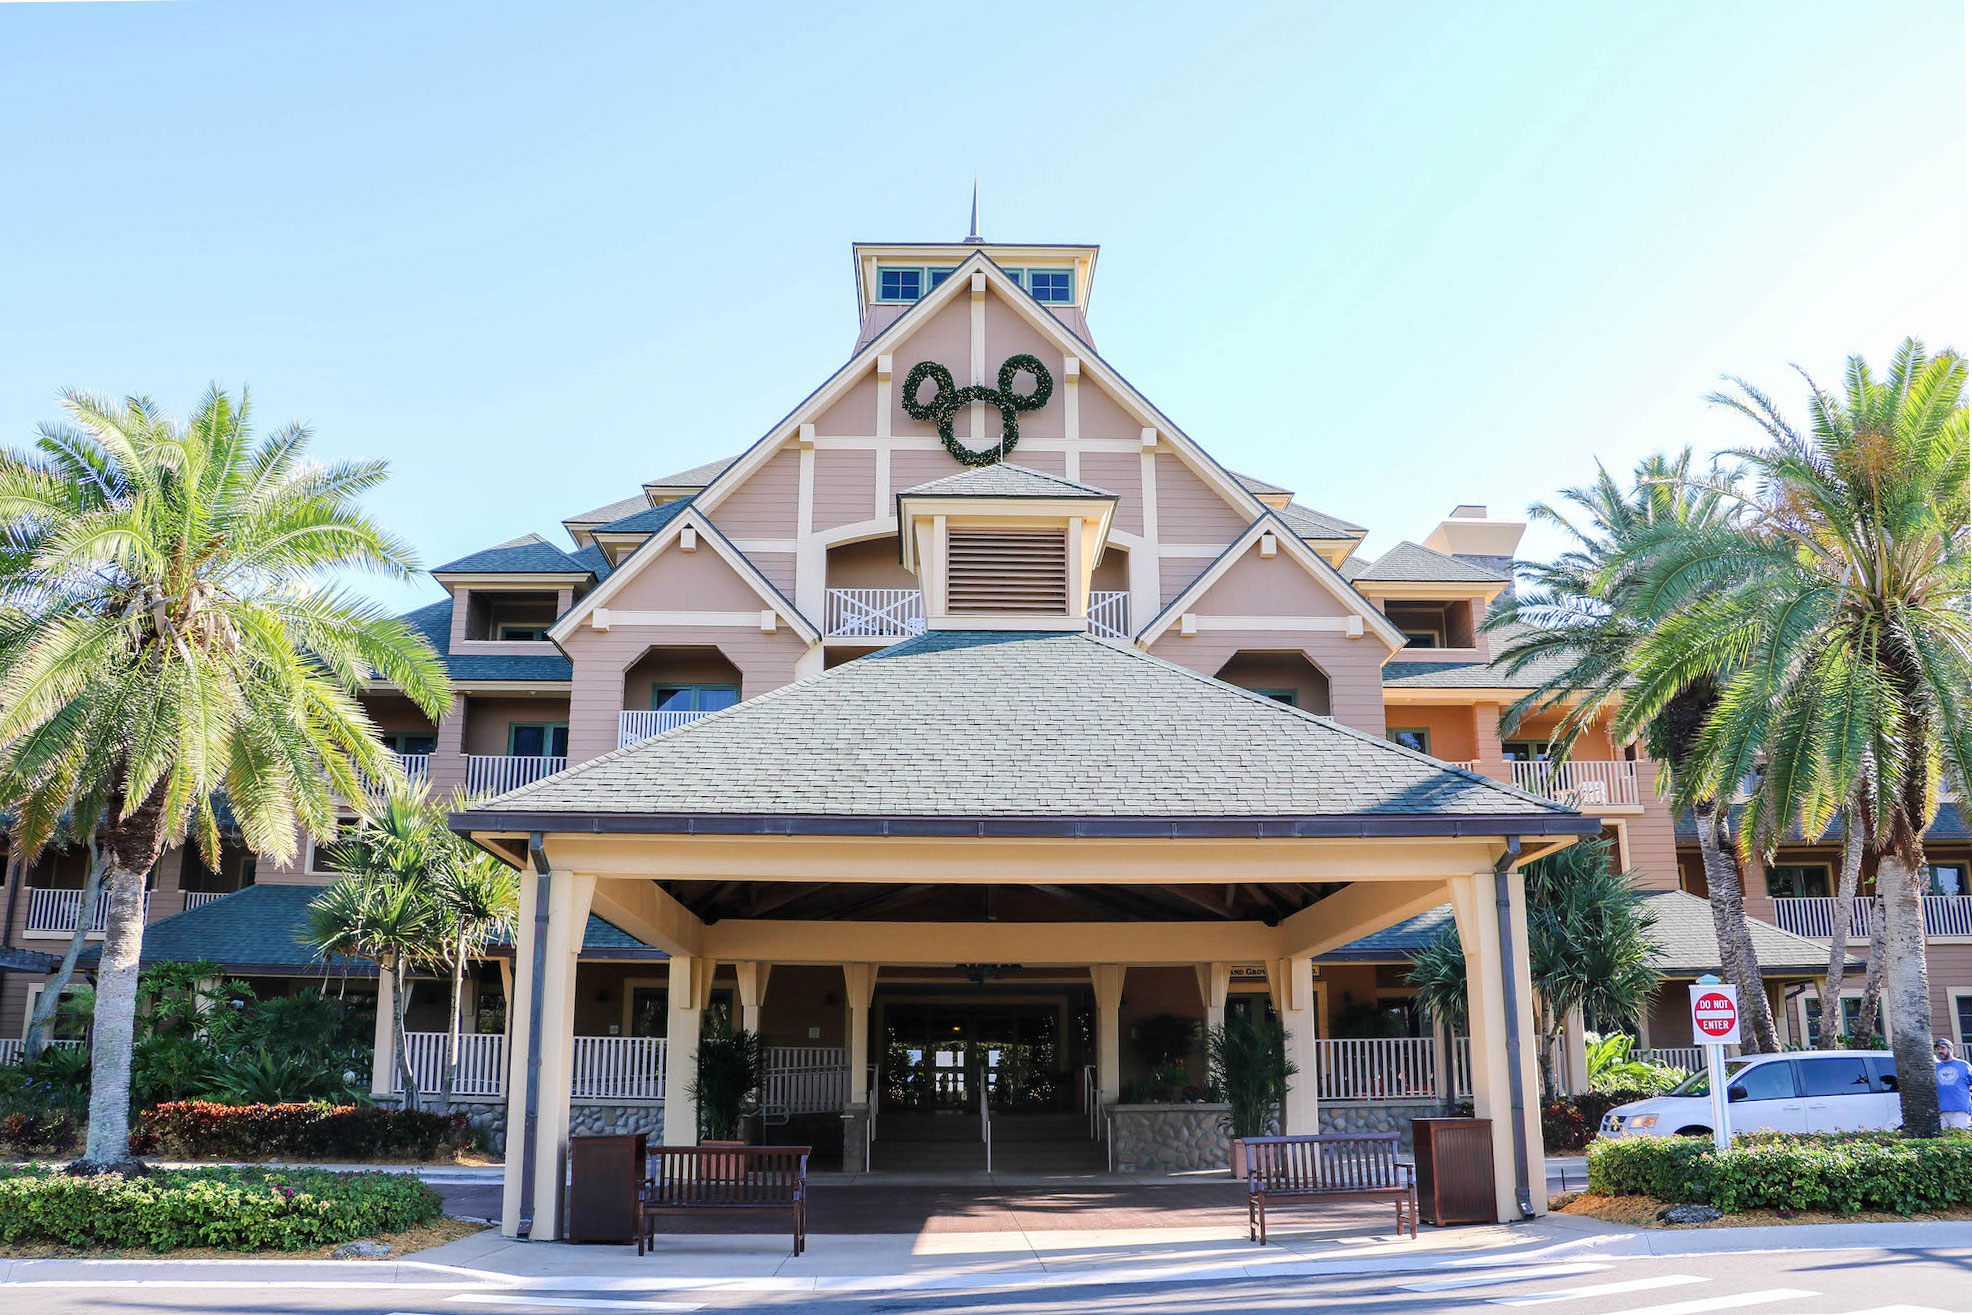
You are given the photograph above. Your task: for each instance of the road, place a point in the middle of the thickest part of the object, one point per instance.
(1854, 1282)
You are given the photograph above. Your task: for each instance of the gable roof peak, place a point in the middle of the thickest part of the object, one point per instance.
(1004, 479)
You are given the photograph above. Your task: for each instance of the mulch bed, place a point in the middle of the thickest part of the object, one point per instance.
(1641, 1212)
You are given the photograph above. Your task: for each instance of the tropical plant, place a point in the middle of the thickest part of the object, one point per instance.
(1580, 621)
(1613, 1066)
(477, 901)
(166, 637)
(1589, 950)
(1834, 613)
(389, 922)
(1247, 1058)
(731, 1062)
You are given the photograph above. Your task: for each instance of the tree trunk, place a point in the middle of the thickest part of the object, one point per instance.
(401, 971)
(51, 992)
(450, 1080)
(134, 844)
(1834, 1030)
(1867, 1022)
(1737, 959)
(1900, 894)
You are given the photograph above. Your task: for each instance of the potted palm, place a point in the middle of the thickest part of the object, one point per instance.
(1247, 1058)
(731, 1061)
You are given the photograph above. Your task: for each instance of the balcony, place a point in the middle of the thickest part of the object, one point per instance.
(887, 614)
(634, 726)
(497, 773)
(417, 770)
(198, 899)
(1946, 917)
(53, 912)
(874, 614)
(1580, 784)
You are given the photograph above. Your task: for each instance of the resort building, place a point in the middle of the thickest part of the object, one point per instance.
(959, 734)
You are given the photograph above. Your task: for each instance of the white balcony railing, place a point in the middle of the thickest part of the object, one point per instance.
(417, 769)
(874, 614)
(1109, 614)
(13, 1047)
(1946, 917)
(56, 910)
(488, 773)
(1584, 784)
(805, 1079)
(482, 1062)
(619, 1068)
(1691, 1058)
(1379, 1069)
(197, 899)
(634, 726)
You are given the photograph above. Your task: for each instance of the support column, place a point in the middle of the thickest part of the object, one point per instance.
(1574, 1073)
(1214, 979)
(1501, 1091)
(1108, 980)
(752, 992)
(685, 1001)
(1291, 982)
(548, 997)
(859, 989)
(383, 1048)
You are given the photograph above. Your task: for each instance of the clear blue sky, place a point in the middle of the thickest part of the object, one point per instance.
(1393, 256)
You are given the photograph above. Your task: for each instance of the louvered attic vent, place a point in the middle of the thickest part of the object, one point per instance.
(1002, 571)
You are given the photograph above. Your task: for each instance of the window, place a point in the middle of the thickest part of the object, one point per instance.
(1774, 1081)
(1851, 1016)
(322, 856)
(521, 630)
(648, 1010)
(1884, 1071)
(1844, 1075)
(1948, 879)
(1415, 737)
(940, 275)
(1291, 698)
(537, 739)
(692, 698)
(1052, 287)
(1524, 751)
(1421, 639)
(1962, 1008)
(409, 743)
(1798, 881)
(899, 284)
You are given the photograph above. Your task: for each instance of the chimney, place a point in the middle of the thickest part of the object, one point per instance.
(1472, 534)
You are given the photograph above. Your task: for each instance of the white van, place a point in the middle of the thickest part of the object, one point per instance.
(1804, 1091)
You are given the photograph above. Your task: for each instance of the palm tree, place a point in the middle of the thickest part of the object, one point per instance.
(389, 922)
(1840, 612)
(1579, 622)
(165, 638)
(477, 900)
(48, 1002)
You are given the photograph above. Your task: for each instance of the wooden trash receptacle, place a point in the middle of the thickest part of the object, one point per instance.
(1454, 1170)
(606, 1178)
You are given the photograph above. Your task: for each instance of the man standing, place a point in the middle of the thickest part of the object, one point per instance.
(1954, 1089)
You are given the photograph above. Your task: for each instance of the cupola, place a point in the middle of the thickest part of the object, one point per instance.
(1002, 547)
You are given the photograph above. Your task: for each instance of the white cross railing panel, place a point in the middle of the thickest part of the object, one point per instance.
(1109, 613)
(619, 1068)
(488, 773)
(1374, 1069)
(874, 614)
(634, 726)
(482, 1062)
(806, 1079)
(1584, 784)
(55, 910)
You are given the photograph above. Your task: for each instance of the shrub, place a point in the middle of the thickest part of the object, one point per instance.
(1569, 1124)
(1844, 1174)
(234, 1209)
(198, 1129)
(34, 1133)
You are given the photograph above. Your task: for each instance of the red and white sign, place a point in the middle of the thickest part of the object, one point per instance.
(1715, 1015)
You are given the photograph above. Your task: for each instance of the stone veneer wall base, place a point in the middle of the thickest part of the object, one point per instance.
(585, 1118)
(1169, 1138)
(1380, 1118)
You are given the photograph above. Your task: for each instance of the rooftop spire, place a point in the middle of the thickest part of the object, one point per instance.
(972, 233)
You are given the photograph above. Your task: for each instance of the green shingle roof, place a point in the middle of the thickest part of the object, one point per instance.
(648, 521)
(997, 724)
(434, 622)
(528, 555)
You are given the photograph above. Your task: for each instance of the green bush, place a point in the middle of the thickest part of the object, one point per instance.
(202, 1130)
(1843, 1174)
(233, 1209)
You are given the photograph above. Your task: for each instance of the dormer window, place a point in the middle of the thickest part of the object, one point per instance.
(1052, 287)
(899, 285)
(517, 615)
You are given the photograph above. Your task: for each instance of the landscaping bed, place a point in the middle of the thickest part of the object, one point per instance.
(1847, 1176)
(1643, 1212)
(227, 1210)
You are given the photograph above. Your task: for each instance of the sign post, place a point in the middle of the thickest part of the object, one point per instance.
(1715, 1025)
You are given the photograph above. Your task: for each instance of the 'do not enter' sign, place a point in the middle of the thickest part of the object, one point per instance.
(1715, 1015)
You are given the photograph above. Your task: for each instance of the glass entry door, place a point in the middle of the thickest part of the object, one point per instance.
(938, 1057)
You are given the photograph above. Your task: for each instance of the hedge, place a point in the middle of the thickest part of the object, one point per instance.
(1844, 1173)
(231, 1209)
(197, 1129)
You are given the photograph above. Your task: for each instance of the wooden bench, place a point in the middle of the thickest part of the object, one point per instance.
(1325, 1167)
(678, 1179)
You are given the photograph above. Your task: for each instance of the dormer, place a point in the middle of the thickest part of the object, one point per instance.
(1002, 547)
(506, 597)
(1437, 600)
(892, 276)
